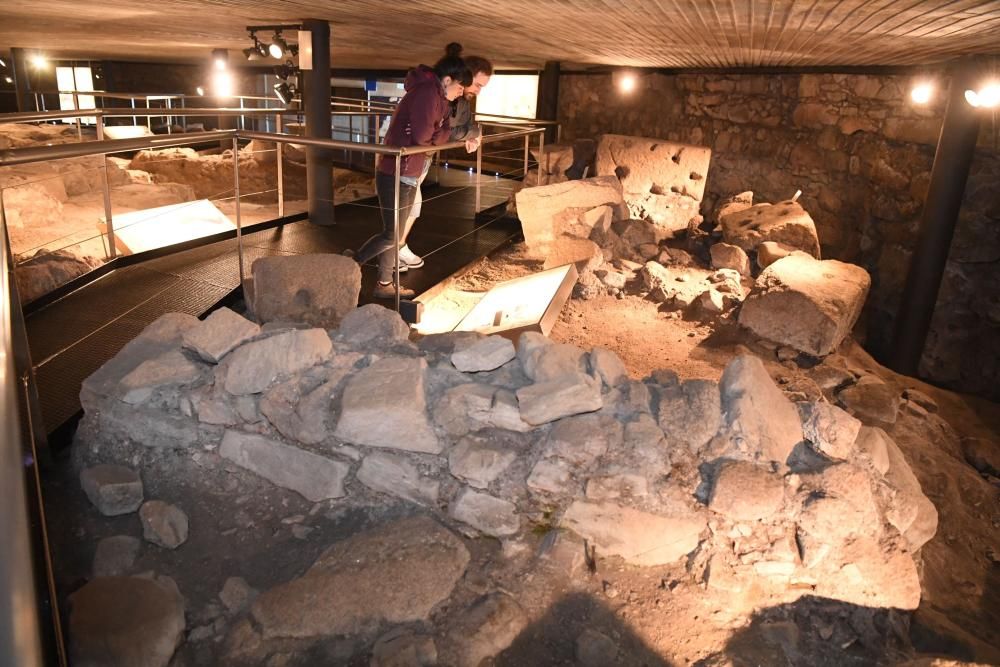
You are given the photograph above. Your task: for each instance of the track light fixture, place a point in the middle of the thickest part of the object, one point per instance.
(277, 48)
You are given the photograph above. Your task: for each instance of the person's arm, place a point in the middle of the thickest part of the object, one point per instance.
(463, 129)
(443, 134)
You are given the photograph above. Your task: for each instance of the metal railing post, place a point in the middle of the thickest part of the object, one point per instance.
(236, 186)
(559, 133)
(527, 142)
(395, 225)
(149, 119)
(243, 122)
(106, 190)
(281, 168)
(76, 107)
(479, 177)
(541, 148)
(135, 119)
(170, 119)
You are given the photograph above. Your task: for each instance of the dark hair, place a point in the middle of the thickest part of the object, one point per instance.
(478, 65)
(453, 66)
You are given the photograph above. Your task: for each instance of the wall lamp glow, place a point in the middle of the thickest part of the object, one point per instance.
(39, 61)
(222, 84)
(278, 46)
(987, 97)
(220, 59)
(627, 82)
(200, 90)
(922, 93)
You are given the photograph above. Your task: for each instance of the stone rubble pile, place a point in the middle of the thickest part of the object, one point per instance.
(756, 494)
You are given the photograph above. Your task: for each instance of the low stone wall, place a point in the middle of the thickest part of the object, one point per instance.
(861, 153)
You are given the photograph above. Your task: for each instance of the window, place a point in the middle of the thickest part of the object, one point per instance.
(509, 95)
(79, 79)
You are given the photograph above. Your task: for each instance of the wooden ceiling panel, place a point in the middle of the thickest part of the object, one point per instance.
(526, 33)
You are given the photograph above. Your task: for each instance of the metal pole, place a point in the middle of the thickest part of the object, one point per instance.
(184, 118)
(558, 133)
(956, 145)
(243, 122)
(281, 168)
(76, 107)
(106, 189)
(316, 100)
(395, 225)
(135, 121)
(527, 142)
(149, 119)
(479, 177)
(170, 119)
(541, 148)
(236, 186)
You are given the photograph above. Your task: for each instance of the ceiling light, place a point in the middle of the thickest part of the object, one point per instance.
(8, 79)
(39, 61)
(921, 93)
(3, 63)
(200, 90)
(251, 54)
(972, 97)
(989, 95)
(278, 46)
(626, 81)
(220, 58)
(222, 84)
(284, 92)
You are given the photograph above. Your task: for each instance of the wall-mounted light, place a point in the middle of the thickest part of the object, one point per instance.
(200, 90)
(220, 59)
(38, 61)
(284, 92)
(922, 92)
(987, 97)
(3, 63)
(626, 81)
(222, 84)
(8, 79)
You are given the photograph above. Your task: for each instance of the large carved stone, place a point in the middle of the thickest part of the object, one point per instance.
(785, 222)
(315, 289)
(548, 211)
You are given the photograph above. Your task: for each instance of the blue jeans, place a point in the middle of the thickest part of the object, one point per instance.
(377, 245)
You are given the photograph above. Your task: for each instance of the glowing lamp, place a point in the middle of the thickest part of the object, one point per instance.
(989, 95)
(972, 97)
(222, 84)
(921, 93)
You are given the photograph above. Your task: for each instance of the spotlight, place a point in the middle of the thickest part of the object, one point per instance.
(284, 92)
(222, 84)
(278, 46)
(3, 63)
(972, 97)
(39, 61)
(626, 81)
(220, 58)
(8, 79)
(921, 93)
(989, 95)
(200, 90)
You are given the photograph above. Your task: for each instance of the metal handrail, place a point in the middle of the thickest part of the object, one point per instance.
(20, 642)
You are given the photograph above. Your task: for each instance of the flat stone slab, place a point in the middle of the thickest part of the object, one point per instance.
(373, 325)
(112, 489)
(484, 512)
(640, 538)
(125, 621)
(571, 394)
(315, 289)
(312, 476)
(829, 430)
(745, 491)
(547, 211)
(219, 334)
(655, 166)
(163, 524)
(115, 555)
(253, 367)
(478, 459)
(785, 222)
(806, 304)
(396, 573)
(486, 354)
(394, 475)
(690, 412)
(170, 369)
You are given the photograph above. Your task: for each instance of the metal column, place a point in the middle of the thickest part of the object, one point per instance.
(19, 72)
(955, 149)
(316, 100)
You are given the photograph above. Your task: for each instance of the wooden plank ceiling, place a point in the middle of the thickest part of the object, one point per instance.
(526, 33)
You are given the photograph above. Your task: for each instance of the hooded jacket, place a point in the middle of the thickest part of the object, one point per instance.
(424, 109)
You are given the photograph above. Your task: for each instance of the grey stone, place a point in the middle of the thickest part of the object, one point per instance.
(572, 394)
(608, 366)
(471, 407)
(760, 423)
(552, 476)
(640, 538)
(358, 583)
(726, 256)
(770, 252)
(829, 429)
(163, 524)
(125, 621)
(485, 513)
(479, 460)
(317, 289)
(384, 405)
(486, 628)
(170, 369)
(583, 439)
(302, 417)
(219, 333)
(554, 361)
(149, 427)
(921, 399)
(372, 326)
(806, 304)
(871, 400)
(484, 355)
(910, 511)
(745, 491)
(840, 507)
(595, 649)
(312, 476)
(690, 413)
(403, 648)
(548, 211)
(394, 475)
(112, 489)
(621, 486)
(237, 594)
(163, 335)
(785, 222)
(253, 367)
(115, 555)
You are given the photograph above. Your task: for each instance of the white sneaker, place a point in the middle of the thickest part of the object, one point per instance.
(409, 259)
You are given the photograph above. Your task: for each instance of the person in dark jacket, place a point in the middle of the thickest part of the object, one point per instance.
(420, 119)
(462, 129)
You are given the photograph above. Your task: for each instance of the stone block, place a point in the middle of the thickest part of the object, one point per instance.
(553, 361)
(485, 513)
(726, 256)
(547, 211)
(806, 304)
(373, 325)
(571, 394)
(829, 430)
(872, 401)
(163, 524)
(115, 556)
(552, 476)
(745, 491)
(112, 489)
(653, 166)
(486, 354)
(690, 413)
(785, 222)
(583, 253)
(219, 333)
(485, 629)
(394, 475)
(312, 476)
(315, 289)
(478, 459)
(640, 538)
(254, 366)
(770, 252)
(608, 366)
(170, 369)
(873, 443)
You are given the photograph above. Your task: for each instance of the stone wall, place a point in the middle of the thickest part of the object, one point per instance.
(861, 153)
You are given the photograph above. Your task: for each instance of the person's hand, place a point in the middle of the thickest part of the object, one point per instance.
(472, 145)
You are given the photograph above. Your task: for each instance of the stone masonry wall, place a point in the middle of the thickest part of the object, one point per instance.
(861, 153)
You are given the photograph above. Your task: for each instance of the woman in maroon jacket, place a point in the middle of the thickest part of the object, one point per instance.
(420, 119)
